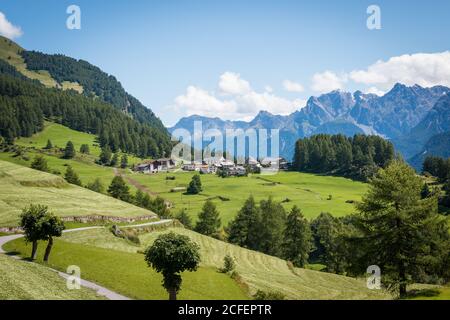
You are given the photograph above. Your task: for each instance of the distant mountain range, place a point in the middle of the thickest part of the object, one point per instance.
(408, 116)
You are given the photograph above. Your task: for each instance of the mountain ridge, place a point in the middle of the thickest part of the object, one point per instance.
(396, 116)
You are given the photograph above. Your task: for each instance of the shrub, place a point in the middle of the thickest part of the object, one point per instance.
(268, 295)
(228, 264)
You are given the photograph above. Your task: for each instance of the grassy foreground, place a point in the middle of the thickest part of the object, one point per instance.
(21, 280)
(21, 186)
(127, 273)
(258, 271)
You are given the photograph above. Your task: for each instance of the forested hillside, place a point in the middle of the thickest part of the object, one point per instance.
(95, 82)
(358, 157)
(24, 104)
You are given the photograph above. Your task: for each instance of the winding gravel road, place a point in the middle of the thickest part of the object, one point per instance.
(111, 295)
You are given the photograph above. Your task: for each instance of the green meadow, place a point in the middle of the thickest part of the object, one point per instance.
(309, 192)
(59, 135)
(128, 274)
(116, 264)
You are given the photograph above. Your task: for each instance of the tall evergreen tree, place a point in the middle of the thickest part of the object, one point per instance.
(84, 149)
(296, 238)
(49, 145)
(71, 176)
(329, 243)
(39, 163)
(195, 186)
(208, 220)
(184, 218)
(244, 229)
(119, 189)
(273, 221)
(96, 186)
(105, 155)
(114, 160)
(69, 150)
(124, 161)
(401, 231)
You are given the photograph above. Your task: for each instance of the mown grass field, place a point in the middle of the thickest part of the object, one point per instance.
(21, 280)
(309, 192)
(258, 271)
(127, 273)
(21, 186)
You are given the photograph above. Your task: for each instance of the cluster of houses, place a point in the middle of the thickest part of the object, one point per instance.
(155, 166)
(214, 165)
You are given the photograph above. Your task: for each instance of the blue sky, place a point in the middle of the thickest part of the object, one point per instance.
(232, 58)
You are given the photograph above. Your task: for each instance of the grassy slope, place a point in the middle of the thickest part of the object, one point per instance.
(128, 273)
(20, 280)
(60, 135)
(20, 186)
(309, 192)
(10, 52)
(258, 270)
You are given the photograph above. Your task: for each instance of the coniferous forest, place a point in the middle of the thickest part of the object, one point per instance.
(24, 104)
(357, 157)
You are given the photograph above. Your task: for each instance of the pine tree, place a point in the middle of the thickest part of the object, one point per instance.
(138, 198)
(105, 155)
(146, 201)
(184, 219)
(69, 151)
(39, 163)
(119, 189)
(114, 160)
(296, 238)
(195, 186)
(402, 232)
(84, 149)
(49, 145)
(244, 229)
(329, 243)
(124, 161)
(273, 220)
(71, 176)
(96, 186)
(208, 219)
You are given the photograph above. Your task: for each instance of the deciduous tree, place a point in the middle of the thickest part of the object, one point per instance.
(172, 254)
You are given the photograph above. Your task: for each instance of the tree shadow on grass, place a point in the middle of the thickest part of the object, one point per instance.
(423, 293)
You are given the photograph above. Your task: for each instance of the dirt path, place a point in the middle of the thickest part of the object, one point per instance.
(111, 295)
(135, 183)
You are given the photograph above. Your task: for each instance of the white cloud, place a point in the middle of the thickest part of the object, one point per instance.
(268, 89)
(327, 81)
(235, 101)
(7, 29)
(231, 83)
(425, 69)
(375, 90)
(292, 86)
(201, 102)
